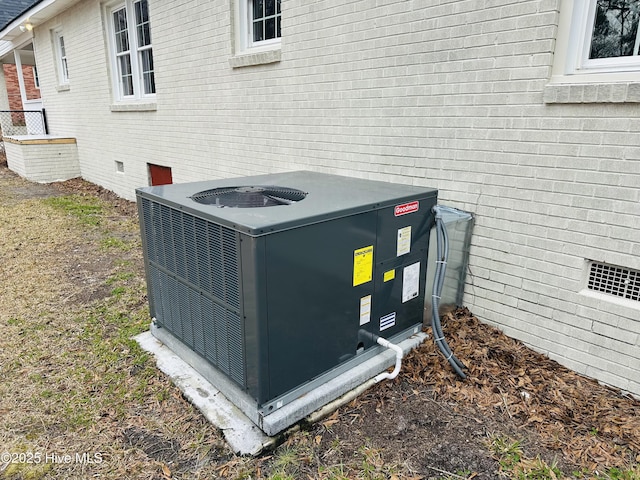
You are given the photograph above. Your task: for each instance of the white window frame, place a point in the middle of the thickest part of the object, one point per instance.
(36, 79)
(61, 57)
(574, 44)
(134, 53)
(244, 30)
(250, 23)
(577, 79)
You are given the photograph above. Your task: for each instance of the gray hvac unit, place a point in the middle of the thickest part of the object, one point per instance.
(276, 281)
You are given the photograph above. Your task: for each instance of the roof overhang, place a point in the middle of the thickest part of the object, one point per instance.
(13, 37)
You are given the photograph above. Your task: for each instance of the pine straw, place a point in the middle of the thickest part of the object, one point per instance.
(592, 425)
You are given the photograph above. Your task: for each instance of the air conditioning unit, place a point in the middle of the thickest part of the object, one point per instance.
(274, 283)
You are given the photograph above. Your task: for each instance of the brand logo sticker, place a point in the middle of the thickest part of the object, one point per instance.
(406, 208)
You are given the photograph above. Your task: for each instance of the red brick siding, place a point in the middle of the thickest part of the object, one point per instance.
(13, 87)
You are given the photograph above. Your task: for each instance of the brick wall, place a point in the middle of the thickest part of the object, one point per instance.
(447, 94)
(13, 86)
(43, 160)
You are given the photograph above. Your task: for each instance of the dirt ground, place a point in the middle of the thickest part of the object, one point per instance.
(518, 415)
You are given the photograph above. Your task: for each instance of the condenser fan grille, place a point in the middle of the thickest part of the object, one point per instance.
(249, 197)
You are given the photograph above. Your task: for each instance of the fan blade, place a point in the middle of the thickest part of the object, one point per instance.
(281, 200)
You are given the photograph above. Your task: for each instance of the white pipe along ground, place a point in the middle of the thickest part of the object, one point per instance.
(399, 354)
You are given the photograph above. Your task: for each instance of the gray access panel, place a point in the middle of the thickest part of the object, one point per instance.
(316, 310)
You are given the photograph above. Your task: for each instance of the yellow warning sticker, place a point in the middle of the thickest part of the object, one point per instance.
(362, 265)
(390, 275)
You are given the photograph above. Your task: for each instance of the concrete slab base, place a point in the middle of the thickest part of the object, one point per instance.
(240, 432)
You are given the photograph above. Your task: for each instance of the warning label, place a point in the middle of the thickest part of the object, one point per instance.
(365, 310)
(362, 265)
(388, 276)
(404, 241)
(410, 282)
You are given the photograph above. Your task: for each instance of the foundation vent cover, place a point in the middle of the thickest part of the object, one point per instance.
(618, 281)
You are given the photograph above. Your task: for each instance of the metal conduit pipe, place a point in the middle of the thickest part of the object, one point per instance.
(445, 255)
(441, 264)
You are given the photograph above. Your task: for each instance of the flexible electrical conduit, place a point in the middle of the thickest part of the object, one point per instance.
(438, 282)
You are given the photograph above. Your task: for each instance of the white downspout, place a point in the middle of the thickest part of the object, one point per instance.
(399, 354)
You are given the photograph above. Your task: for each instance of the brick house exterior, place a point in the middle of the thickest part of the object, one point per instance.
(14, 97)
(479, 99)
(13, 87)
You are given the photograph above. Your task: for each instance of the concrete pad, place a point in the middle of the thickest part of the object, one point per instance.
(240, 431)
(242, 435)
(357, 377)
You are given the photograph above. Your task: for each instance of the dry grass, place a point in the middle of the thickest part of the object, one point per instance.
(73, 382)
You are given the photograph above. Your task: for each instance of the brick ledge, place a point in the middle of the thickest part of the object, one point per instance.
(38, 139)
(623, 92)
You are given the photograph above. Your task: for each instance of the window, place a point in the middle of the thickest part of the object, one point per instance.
(597, 53)
(132, 54)
(257, 32)
(612, 40)
(602, 36)
(61, 57)
(257, 26)
(265, 20)
(36, 79)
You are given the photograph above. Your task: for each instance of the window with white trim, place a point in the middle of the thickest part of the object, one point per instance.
(257, 26)
(36, 79)
(612, 40)
(61, 57)
(264, 21)
(597, 53)
(131, 50)
(605, 33)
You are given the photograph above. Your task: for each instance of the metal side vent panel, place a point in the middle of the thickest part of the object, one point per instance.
(195, 284)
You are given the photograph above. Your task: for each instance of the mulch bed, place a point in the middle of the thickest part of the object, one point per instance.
(591, 424)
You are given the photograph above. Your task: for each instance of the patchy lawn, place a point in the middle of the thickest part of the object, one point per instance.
(79, 399)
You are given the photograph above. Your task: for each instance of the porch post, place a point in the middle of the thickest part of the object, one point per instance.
(23, 90)
(4, 96)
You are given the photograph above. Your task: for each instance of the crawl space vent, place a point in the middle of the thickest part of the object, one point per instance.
(618, 281)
